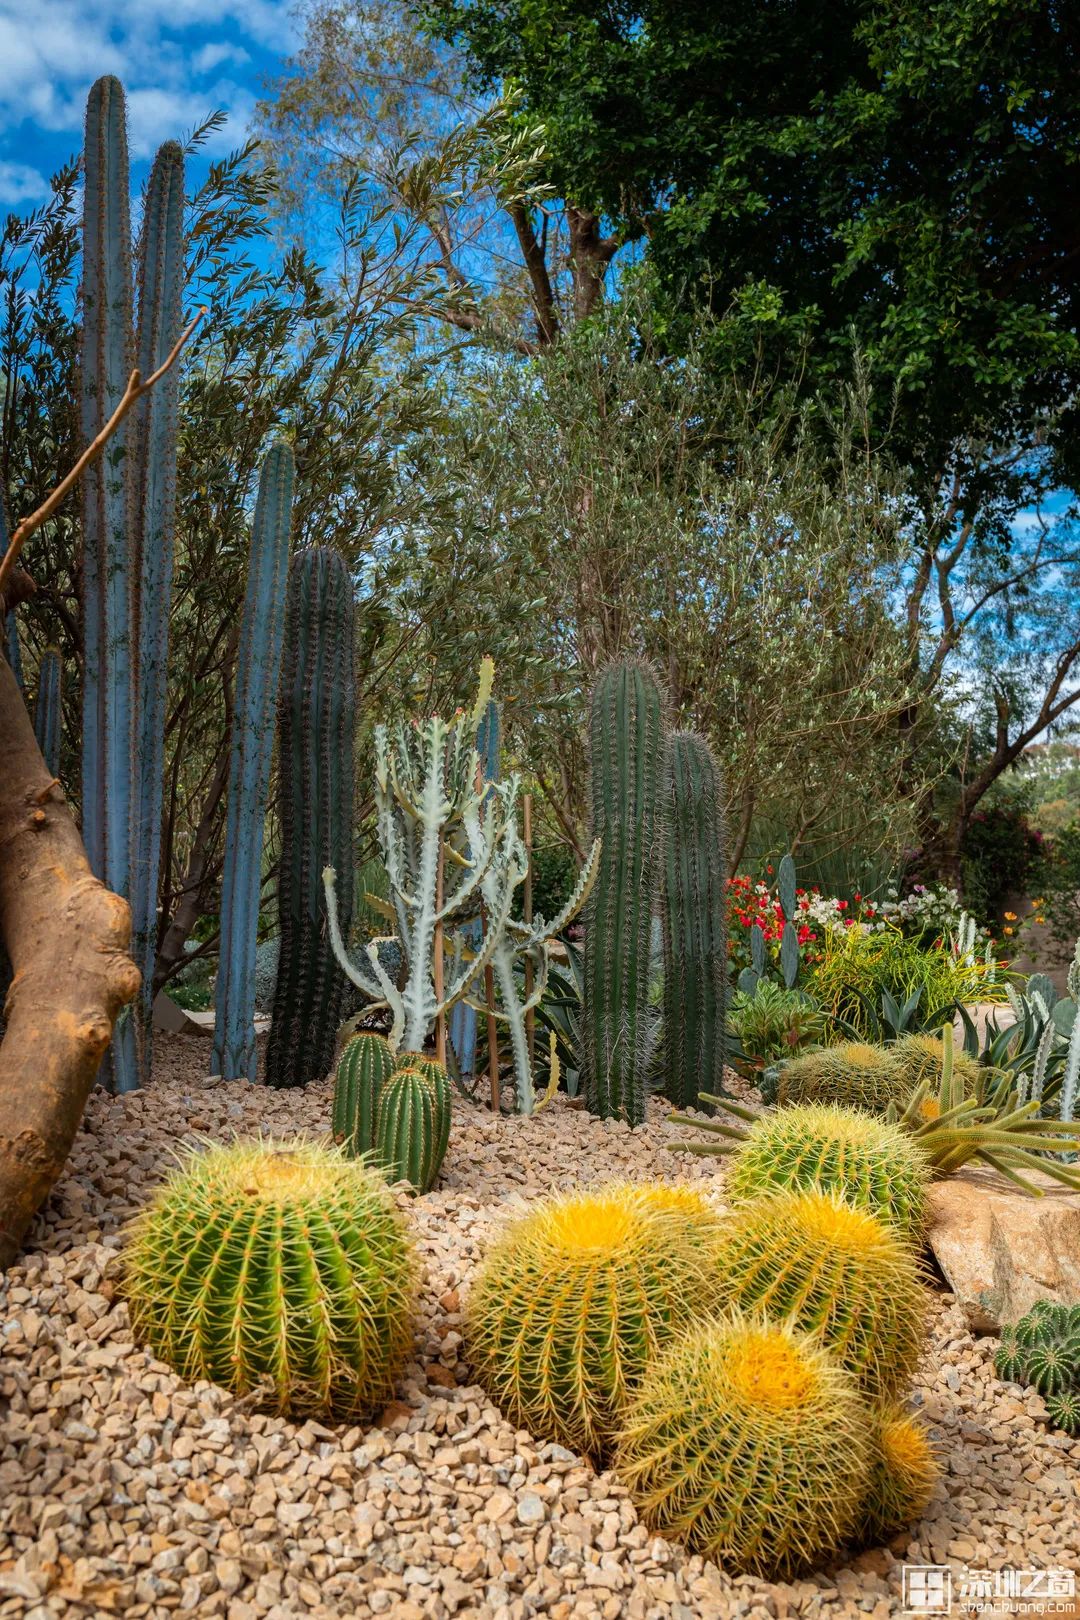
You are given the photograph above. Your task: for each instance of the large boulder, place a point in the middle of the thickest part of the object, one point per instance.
(1001, 1249)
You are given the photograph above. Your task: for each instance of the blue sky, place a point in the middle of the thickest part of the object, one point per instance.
(178, 59)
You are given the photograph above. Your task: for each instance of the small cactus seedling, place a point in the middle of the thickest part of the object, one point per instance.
(278, 1269)
(813, 1259)
(746, 1440)
(577, 1297)
(364, 1067)
(903, 1476)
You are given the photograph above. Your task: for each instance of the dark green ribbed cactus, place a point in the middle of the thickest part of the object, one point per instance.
(695, 924)
(411, 1129)
(316, 720)
(47, 708)
(437, 1078)
(364, 1067)
(1043, 1350)
(626, 743)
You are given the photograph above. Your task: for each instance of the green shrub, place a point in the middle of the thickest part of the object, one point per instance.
(775, 1023)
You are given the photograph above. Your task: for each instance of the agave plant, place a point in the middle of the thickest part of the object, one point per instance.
(1041, 1048)
(991, 1126)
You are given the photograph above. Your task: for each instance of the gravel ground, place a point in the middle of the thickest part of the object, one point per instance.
(122, 1491)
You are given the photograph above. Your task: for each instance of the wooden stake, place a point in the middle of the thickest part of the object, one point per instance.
(440, 987)
(530, 1017)
(492, 1034)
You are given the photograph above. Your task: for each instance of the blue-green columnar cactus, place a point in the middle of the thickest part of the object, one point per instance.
(626, 742)
(316, 720)
(436, 815)
(47, 708)
(463, 1017)
(129, 500)
(695, 924)
(257, 671)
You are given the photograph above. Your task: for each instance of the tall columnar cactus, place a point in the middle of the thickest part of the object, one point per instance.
(463, 1017)
(129, 502)
(695, 923)
(47, 708)
(257, 671)
(449, 841)
(626, 738)
(315, 764)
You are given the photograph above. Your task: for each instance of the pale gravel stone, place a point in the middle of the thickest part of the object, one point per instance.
(123, 1491)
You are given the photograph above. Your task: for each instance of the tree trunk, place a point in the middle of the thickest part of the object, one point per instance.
(67, 938)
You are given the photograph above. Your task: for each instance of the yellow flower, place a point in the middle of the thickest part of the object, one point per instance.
(1010, 916)
(1040, 919)
(1007, 930)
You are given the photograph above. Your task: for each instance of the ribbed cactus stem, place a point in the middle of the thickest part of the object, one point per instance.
(155, 431)
(258, 669)
(626, 765)
(316, 725)
(47, 708)
(695, 928)
(364, 1067)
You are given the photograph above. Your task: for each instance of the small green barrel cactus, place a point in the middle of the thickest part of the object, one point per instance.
(437, 1078)
(919, 1058)
(873, 1164)
(626, 766)
(576, 1298)
(695, 924)
(276, 1267)
(852, 1075)
(409, 1129)
(834, 1270)
(365, 1065)
(750, 1443)
(903, 1476)
(1063, 1411)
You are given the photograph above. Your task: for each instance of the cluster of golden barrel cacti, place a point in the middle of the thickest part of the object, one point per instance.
(743, 1373)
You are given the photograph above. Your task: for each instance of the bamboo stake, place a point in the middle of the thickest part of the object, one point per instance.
(527, 907)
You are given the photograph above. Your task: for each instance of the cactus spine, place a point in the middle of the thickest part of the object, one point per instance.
(257, 672)
(626, 768)
(47, 708)
(695, 924)
(129, 499)
(363, 1069)
(316, 724)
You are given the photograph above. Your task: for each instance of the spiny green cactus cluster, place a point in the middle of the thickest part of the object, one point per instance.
(750, 1443)
(577, 1297)
(920, 1059)
(852, 1075)
(277, 1268)
(873, 1164)
(1043, 1350)
(813, 1259)
(397, 1110)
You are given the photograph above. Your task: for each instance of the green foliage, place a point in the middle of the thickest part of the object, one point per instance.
(1057, 878)
(902, 1478)
(695, 923)
(363, 1068)
(1043, 1349)
(775, 1023)
(749, 1443)
(412, 1127)
(853, 1075)
(1000, 859)
(276, 1268)
(871, 1163)
(626, 752)
(317, 723)
(576, 1298)
(833, 1270)
(858, 966)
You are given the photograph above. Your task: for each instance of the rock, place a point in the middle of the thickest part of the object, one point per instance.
(1000, 1249)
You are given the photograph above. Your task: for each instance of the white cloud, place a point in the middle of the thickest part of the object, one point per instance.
(217, 55)
(21, 184)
